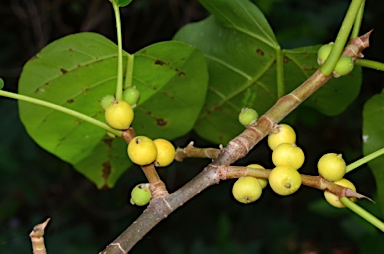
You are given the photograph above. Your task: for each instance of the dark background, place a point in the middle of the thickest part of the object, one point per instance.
(35, 185)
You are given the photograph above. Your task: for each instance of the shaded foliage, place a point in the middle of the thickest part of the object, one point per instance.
(35, 184)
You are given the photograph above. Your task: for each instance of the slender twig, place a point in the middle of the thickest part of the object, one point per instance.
(37, 238)
(317, 182)
(194, 152)
(160, 208)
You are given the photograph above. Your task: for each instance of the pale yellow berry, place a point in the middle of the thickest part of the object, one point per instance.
(332, 166)
(119, 115)
(165, 152)
(284, 180)
(142, 150)
(282, 133)
(263, 181)
(335, 200)
(246, 189)
(288, 155)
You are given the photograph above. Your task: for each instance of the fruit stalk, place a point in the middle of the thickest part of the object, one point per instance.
(37, 238)
(194, 152)
(158, 187)
(317, 182)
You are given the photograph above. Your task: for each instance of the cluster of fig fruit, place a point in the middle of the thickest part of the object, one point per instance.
(284, 178)
(344, 65)
(141, 149)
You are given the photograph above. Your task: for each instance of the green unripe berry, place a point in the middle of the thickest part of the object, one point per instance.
(343, 67)
(246, 189)
(119, 115)
(284, 180)
(248, 116)
(263, 182)
(142, 150)
(140, 195)
(332, 166)
(288, 155)
(335, 200)
(106, 101)
(282, 133)
(165, 152)
(323, 53)
(131, 96)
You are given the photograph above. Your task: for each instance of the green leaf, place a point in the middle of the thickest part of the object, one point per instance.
(242, 55)
(1, 83)
(373, 140)
(332, 98)
(105, 164)
(78, 70)
(121, 3)
(172, 79)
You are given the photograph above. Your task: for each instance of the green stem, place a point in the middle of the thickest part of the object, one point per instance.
(341, 38)
(280, 73)
(62, 109)
(357, 24)
(361, 212)
(129, 71)
(119, 85)
(370, 64)
(365, 159)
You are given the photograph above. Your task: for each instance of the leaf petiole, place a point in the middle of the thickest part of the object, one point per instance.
(119, 84)
(62, 109)
(341, 38)
(129, 71)
(370, 64)
(362, 213)
(365, 159)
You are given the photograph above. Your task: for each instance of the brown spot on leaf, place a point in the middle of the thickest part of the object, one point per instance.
(260, 52)
(106, 171)
(40, 90)
(285, 60)
(148, 113)
(161, 122)
(70, 101)
(159, 62)
(63, 70)
(85, 89)
(107, 141)
(182, 74)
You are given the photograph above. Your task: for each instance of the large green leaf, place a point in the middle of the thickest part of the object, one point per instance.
(241, 52)
(373, 140)
(77, 70)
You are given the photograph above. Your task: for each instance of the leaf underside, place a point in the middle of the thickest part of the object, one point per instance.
(76, 71)
(241, 52)
(373, 140)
